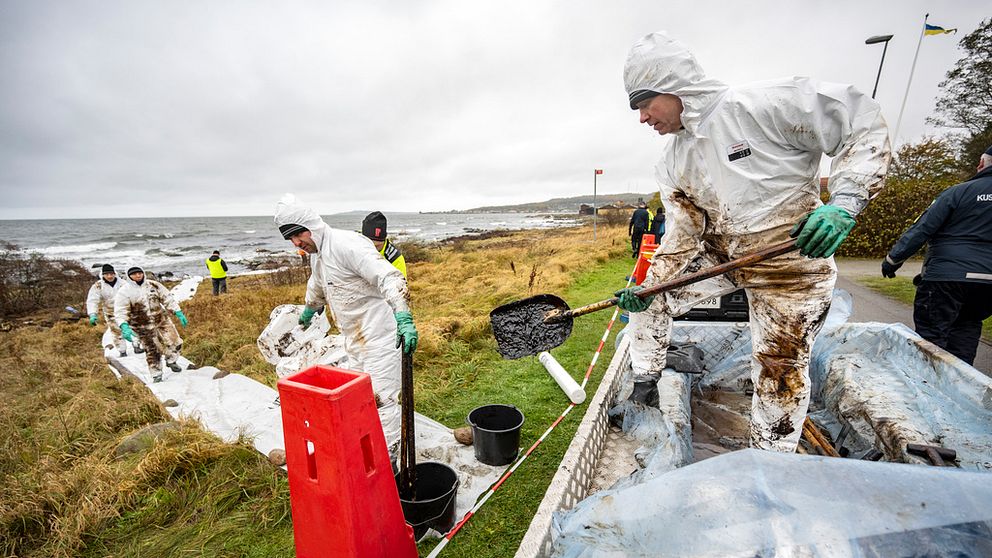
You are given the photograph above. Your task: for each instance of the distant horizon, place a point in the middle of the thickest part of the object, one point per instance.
(349, 212)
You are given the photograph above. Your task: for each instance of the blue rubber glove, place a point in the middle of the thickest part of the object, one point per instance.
(182, 318)
(406, 332)
(92, 319)
(819, 234)
(126, 332)
(631, 302)
(307, 316)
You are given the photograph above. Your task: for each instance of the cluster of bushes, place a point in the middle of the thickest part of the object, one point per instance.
(31, 283)
(918, 174)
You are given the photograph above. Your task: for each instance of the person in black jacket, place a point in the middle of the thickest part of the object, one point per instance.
(658, 224)
(955, 294)
(637, 227)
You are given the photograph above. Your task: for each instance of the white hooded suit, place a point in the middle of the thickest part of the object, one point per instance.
(363, 291)
(739, 175)
(101, 297)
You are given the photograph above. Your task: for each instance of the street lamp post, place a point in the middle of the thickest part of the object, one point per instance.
(874, 40)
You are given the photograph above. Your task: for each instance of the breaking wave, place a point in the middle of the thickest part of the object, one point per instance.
(73, 248)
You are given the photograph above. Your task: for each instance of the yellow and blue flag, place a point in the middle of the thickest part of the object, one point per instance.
(937, 30)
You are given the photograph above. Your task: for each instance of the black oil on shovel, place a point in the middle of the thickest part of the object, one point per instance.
(543, 322)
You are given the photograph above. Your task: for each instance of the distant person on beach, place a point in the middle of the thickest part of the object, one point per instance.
(742, 174)
(954, 294)
(374, 227)
(369, 301)
(101, 298)
(218, 272)
(638, 225)
(140, 308)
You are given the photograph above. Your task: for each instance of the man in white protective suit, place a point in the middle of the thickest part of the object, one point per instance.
(368, 298)
(741, 174)
(100, 298)
(141, 309)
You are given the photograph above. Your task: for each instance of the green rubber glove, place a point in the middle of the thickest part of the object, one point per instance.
(631, 302)
(406, 332)
(182, 318)
(307, 316)
(126, 332)
(92, 319)
(820, 233)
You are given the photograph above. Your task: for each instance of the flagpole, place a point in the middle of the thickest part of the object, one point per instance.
(594, 212)
(895, 136)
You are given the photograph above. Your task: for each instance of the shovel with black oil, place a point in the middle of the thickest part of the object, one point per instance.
(543, 322)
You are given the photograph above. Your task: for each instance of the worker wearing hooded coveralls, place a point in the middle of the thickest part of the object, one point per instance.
(741, 174)
(368, 298)
(141, 309)
(101, 298)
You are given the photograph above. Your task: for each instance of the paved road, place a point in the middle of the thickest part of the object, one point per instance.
(869, 306)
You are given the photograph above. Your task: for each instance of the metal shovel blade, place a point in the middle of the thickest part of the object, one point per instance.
(520, 329)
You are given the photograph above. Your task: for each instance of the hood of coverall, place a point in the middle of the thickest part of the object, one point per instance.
(290, 211)
(663, 65)
(133, 269)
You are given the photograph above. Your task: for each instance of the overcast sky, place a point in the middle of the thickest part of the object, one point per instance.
(179, 108)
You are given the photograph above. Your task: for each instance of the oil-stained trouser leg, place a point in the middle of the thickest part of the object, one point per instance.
(382, 360)
(650, 331)
(115, 330)
(169, 342)
(789, 297)
(148, 336)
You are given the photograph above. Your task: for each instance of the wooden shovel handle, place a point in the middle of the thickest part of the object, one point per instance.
(743, 261)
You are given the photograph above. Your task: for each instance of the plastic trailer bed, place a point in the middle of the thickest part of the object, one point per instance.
(646, 482)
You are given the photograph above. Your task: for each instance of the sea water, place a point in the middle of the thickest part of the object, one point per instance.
(180, 245)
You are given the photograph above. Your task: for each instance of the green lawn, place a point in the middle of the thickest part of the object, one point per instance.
(498, 527)
(901, 289)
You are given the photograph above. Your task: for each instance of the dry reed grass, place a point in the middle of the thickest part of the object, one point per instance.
(62, 492)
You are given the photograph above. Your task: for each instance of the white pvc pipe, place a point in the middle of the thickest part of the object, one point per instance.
(572, 389)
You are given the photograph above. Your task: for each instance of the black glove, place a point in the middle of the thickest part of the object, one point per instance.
(889, 269)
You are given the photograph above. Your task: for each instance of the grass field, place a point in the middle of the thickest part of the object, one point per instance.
(63, 493)
(902, 290)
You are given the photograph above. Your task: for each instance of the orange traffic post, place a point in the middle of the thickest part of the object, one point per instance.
(644, 256)
(341, 487)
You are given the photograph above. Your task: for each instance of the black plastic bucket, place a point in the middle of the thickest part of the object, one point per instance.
(496, 433)
(432, 504)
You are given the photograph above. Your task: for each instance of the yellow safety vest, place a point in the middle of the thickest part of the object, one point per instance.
(216, 269)
(393, 256)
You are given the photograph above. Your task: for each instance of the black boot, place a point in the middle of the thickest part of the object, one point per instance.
(174, 366)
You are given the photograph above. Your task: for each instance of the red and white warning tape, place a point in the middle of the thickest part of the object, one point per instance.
(468, 515)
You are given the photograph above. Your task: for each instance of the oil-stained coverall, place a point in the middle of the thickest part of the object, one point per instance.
(363, 291)
(146, 308)
(101, 297)
(738, 175)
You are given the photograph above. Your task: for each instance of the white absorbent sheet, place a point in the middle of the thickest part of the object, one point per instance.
(235, 405)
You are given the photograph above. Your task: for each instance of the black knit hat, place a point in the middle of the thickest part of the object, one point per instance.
(374, 226)
(107, 268)
(134, 269)
(989, 151)
(640, 95)
(291, 229)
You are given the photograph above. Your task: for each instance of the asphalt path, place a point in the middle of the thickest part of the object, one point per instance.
(870, 306)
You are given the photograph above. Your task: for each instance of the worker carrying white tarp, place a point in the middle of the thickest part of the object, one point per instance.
(741, 174)
(141, 309)
(100, 298)
(368, 298)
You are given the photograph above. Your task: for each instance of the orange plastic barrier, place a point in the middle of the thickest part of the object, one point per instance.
(648, 247)
(341, 487)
